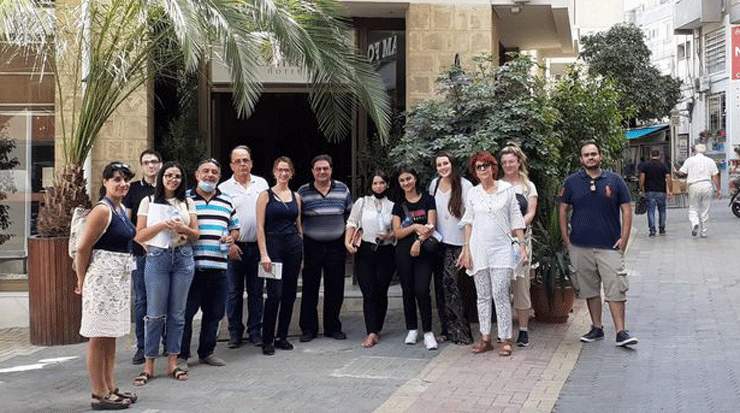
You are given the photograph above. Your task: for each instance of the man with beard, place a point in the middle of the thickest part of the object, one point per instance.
(598, 239)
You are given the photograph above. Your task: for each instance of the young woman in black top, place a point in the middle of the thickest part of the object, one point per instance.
(414, 218)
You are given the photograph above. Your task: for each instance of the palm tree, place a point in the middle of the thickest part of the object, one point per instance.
(104, 50)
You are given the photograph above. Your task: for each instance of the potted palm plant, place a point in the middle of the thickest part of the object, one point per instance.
(100, 52)
(551, 291)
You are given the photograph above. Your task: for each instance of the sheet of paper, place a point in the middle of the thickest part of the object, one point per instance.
(276, 273)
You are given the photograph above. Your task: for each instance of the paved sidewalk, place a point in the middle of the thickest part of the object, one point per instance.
(684, 305)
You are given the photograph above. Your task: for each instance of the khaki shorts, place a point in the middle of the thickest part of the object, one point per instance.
(520, 291)
(595, 266)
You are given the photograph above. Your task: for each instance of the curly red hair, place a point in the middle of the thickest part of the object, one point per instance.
(485, 157)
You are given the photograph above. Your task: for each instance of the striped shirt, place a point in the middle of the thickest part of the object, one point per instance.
(324, 216)
(215, 216)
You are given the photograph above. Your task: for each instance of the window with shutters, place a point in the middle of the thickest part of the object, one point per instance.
(716, 113)
(714, 51)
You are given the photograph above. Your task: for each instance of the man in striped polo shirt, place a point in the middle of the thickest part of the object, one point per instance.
(326, 206)
(597, 240)
(219, 227)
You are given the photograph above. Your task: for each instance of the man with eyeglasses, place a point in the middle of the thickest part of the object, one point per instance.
(326, 206)
(597, 240)
(244, 256)
(151, 162)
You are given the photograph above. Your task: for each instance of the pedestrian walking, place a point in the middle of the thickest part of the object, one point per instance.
(326, 206)
(598, 239)
(702, 177)
(103, 265)
(514, 164)
(490, 253)
(150, 162)
(655, 181)
(414, 220)
(279, 240)
(167, 223)
(369, 236)
(244, 188)
(218, 227)
(449, 190)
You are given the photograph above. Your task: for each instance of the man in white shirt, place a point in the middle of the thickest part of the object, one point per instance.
(702, 178)
(243, 187)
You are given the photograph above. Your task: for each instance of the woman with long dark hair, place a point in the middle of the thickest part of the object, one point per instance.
(369, 235)
(449, 190)
(166, 225)
(414, 220)
(103, 265)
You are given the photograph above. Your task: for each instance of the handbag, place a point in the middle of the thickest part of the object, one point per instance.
(357, 236)
(641, 205)
(431, 244)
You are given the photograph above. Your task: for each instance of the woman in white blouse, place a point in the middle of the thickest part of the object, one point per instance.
(514, 165)
(449, 190)
(490, 254)
(369, 235)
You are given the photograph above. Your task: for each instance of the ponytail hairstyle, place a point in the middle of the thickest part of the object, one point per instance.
(110, 170)
(455, 206)
(512, 148)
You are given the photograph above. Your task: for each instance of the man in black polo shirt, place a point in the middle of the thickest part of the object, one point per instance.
(597, 240)
(654, 181)
(150, 161)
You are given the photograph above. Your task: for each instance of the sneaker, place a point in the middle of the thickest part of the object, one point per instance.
(523, 339)
(429, 341)
(624, 339)
(411, 337)
(306, 337)
(694, 230)
(138, 357)
(703, 235)
(212, 360)
(596, 333)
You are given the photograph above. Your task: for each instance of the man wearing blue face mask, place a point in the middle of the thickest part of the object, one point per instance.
(219, 227)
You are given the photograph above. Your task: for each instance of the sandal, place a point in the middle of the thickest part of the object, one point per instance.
(505, 350)
(142, 379)
(179, 374)
(126, 395)
(482, 346)
(109, 403)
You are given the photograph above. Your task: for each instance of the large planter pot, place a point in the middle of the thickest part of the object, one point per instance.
(556, 311)
(55, 310)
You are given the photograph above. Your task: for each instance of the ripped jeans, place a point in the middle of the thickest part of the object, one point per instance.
(167, 275)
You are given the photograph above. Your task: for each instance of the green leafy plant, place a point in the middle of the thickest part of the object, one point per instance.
(7, 185)
(553, 264)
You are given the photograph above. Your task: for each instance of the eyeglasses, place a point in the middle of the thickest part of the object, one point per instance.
(242, 161)
(173, 177)
(483, 166)
(151, 162)
(593, 186)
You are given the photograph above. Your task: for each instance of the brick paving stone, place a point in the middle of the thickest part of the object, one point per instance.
(684, 306)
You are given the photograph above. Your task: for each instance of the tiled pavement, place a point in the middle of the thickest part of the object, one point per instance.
(684, 305)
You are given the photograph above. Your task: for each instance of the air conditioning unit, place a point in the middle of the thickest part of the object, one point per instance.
(702, 84)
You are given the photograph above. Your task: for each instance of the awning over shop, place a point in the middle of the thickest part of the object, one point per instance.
(644, 131)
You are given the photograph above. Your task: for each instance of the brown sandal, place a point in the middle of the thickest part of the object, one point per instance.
(505, 350)
(482, 346)
(179, 374)
(131, 396)
(142, 379)
(109, 402)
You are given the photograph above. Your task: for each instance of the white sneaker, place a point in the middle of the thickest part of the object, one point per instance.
(429, 341)
(411, 337)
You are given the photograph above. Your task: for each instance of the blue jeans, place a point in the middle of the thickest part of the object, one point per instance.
(655, 199)
(168, 274)
(207, 293)
(240, 274)
(139, 300)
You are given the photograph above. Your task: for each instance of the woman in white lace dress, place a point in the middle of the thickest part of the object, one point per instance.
(103, 266)
(490, 253)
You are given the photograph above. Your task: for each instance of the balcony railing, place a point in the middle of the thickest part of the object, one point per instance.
(691, 14)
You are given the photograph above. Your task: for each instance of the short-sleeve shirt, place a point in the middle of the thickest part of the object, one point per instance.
(245, 203)
(699, 168)
(596, 219)
(655, 172)
(418, 214)
(215, 217)
(185, 208)
(324, 216)
(447, 224)
(138, 191)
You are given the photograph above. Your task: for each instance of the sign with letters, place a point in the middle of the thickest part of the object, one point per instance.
(735, 44)
(383, 49)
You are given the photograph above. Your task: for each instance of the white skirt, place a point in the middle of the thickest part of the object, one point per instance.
(106, 295)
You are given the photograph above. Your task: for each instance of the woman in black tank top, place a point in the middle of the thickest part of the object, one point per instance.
(279, 238)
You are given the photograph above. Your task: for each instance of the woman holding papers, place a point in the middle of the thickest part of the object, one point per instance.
(166, 224)
(280, 243)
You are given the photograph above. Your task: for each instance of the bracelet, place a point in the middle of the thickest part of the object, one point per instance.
(515, 242)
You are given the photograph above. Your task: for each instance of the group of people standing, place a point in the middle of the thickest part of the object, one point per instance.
(200, 248)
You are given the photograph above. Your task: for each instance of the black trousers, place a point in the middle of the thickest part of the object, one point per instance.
(416, 276)
(207, 293)
(375, 267)
(286, 249)
(327, 257)
(439, 289)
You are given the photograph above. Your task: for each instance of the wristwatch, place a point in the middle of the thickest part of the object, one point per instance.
(515, 242)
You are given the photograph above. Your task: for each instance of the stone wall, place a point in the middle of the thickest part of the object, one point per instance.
(434, 34)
